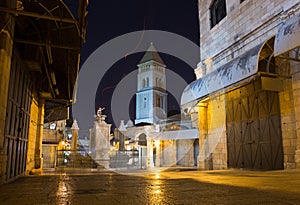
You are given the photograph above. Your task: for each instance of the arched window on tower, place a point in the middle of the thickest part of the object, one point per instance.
(143, 83)
(147, 82)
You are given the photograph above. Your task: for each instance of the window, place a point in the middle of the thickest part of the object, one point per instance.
(217, 12)
(145, 102)
(158, 101)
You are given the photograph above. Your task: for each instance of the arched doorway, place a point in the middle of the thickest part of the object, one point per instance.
(142, 148)
(253, 122)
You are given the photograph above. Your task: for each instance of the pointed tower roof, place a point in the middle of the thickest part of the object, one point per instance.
(151, 54)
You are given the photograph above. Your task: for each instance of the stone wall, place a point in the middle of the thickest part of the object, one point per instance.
(34, 111)
(288, 126)
(296, 95)
(213, 147)
(34, 151)
(217, 130)
(168, 153)
(185, 152)
(6, 47)
(246, 25)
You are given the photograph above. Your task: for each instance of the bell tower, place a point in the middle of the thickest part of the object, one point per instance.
(151, 95)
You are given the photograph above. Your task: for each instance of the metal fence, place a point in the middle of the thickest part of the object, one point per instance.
(127, 159)
(82, 159)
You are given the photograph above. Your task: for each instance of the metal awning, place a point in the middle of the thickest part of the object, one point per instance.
(176, 135)
(288, 36)
(49, 38)
(232, 72)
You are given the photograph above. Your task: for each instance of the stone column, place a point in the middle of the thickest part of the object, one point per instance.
(122, 133)
(158, 153)
(6, 47)
(296, 94)
(150, 163)
(102, 142)
(92, 133)
(39, 136)
(74, 129)
(202, 127)
(140, 157)
(174, 152)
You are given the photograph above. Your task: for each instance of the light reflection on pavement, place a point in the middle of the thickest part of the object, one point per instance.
(156, 187)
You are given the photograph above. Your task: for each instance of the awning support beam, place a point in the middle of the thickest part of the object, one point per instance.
(288, 58)
(45, 44)
(36, 15)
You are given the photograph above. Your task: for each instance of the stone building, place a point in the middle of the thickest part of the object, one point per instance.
(159, 141)
(151, 95)
(40, 44)
(247, 88)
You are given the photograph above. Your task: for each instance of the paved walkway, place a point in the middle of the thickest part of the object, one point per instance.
(155, 187)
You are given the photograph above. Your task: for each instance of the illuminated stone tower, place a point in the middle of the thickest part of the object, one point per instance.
(151, 96)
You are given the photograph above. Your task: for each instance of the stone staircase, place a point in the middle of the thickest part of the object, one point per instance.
(75, 159)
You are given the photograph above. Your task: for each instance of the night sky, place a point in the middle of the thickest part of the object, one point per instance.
(109, 19)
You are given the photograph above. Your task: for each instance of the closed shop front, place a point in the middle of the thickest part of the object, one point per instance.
(253, 127)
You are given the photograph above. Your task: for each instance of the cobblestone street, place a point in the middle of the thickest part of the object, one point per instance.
(156, 187)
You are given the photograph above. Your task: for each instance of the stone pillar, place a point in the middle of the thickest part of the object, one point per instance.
(122, 133)
(92, 134)
(208, 65)
(39, 136)
(296, 94)
(174, 152)
(195, 117)
(74, 129)
(150, 163)
(140, 157)
(158, 153)
(6, 47)
(202, 127)
(200, 71)
(102, 141)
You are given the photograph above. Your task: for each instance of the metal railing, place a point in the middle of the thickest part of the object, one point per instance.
(127, 159)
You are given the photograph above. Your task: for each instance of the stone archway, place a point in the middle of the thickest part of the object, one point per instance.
(141, 139)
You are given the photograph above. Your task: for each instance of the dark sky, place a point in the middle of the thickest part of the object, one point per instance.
(109, 19)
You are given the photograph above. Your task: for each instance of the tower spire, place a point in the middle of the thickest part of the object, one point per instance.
(151, 96)
(151, 54)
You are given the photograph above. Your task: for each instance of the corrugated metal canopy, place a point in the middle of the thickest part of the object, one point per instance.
(232, 72)
(288, 36)
(176, 135)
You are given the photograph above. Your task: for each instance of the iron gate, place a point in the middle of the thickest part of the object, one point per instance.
(17, 119)
(254, 138)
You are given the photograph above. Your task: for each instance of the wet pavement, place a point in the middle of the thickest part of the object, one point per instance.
(156, 187)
